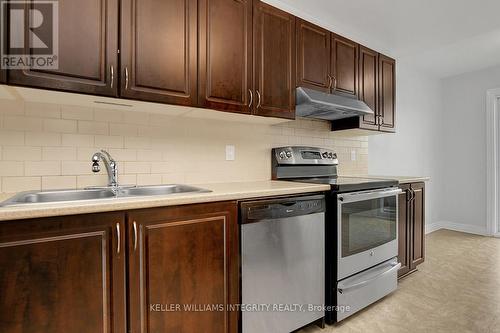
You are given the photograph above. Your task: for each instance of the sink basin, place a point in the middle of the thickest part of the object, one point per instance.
(160, 190)
(98, 193)
(58, 196)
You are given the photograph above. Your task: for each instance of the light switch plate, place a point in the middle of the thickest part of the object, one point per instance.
(353, 155)
(230, 153)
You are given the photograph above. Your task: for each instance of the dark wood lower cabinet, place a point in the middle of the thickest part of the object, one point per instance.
(68, 274)
(186, 257)
(64, 274)
(411, 230)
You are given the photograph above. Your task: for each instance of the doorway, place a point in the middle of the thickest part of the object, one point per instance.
(493, 161)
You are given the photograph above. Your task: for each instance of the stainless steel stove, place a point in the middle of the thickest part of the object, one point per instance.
(361, 228)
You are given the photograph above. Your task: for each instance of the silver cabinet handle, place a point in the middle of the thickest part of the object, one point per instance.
(251, 98)
(135, 235)
(329, 81)
(258, 103)
(119, 238)
(334, 83)
(112, 73)
(126, 78)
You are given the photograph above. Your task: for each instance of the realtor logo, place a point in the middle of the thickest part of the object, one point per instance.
(30, 39)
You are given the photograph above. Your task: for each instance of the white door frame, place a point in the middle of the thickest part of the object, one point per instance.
(492, 158)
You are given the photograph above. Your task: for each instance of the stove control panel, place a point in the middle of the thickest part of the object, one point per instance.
(305, 156)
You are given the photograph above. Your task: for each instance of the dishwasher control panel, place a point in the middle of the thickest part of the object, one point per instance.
(255, 211)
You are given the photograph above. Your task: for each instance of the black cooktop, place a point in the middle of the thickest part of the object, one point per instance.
(349, 184)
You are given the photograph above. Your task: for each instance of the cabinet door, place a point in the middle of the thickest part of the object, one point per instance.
(88, 46)
(63, 274)
(186, 256)
(225, 55)
(387, 92)
(159, 51)
(418, 227)
(368, 86)
(344, 65)
(404, 230)
(313, 56)
(274, 54)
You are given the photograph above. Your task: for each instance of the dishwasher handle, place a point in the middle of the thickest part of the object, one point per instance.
(256, 211)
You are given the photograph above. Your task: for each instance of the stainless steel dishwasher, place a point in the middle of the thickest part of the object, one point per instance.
(283, 263)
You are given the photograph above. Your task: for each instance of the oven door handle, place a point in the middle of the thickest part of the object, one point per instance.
(395, 266)
(368, 195)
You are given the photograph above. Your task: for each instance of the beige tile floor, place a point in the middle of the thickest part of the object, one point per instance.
(456, 290)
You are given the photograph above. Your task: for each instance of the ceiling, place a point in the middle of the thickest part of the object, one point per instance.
(442, 37)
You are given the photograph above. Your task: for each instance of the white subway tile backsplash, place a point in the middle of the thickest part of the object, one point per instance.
(21, 153)
(58, 182)
(59, 153)
(22, 123)
(77, 140)
(43, 139)
(93, 127)
(60, 125)
(11, 168)
(109, 141)
(10, 138)
(19, 184)
(42, 168)
(42, 110)
(50, 146)
(77, 112)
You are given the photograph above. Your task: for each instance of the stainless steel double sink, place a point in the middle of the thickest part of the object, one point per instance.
(99, 193)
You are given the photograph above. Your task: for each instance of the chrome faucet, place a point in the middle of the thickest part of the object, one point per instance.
(110, 164)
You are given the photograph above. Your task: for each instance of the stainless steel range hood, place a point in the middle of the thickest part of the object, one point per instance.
(315, 104)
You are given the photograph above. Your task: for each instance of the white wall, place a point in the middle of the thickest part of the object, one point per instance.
(414, 149)
(464, 153)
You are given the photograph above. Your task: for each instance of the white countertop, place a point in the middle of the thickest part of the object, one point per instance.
(220, 192)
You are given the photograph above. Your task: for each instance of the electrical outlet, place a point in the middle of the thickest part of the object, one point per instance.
(230, 153)
(353, 155)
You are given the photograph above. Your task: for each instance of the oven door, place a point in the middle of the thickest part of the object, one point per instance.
(367, 229)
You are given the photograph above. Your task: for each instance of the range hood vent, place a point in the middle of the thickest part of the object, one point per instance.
(315, 104)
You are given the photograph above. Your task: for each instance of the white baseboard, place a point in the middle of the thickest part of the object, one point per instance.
(467, 228)
(432, 227)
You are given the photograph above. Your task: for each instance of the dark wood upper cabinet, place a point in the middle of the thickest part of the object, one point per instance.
(88, 45)
(344, 65)
(274, 61)
(186, 255)
(368, 86)
(418, 217)
(159, 51)
(225, 55)
(404, 230)
(387, 93)
(64, 274)
(313, 56)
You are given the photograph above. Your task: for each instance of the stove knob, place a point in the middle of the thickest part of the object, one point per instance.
(325, 155)
(330, 155)
(334, 156)
(288, 154)
(282, 155)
